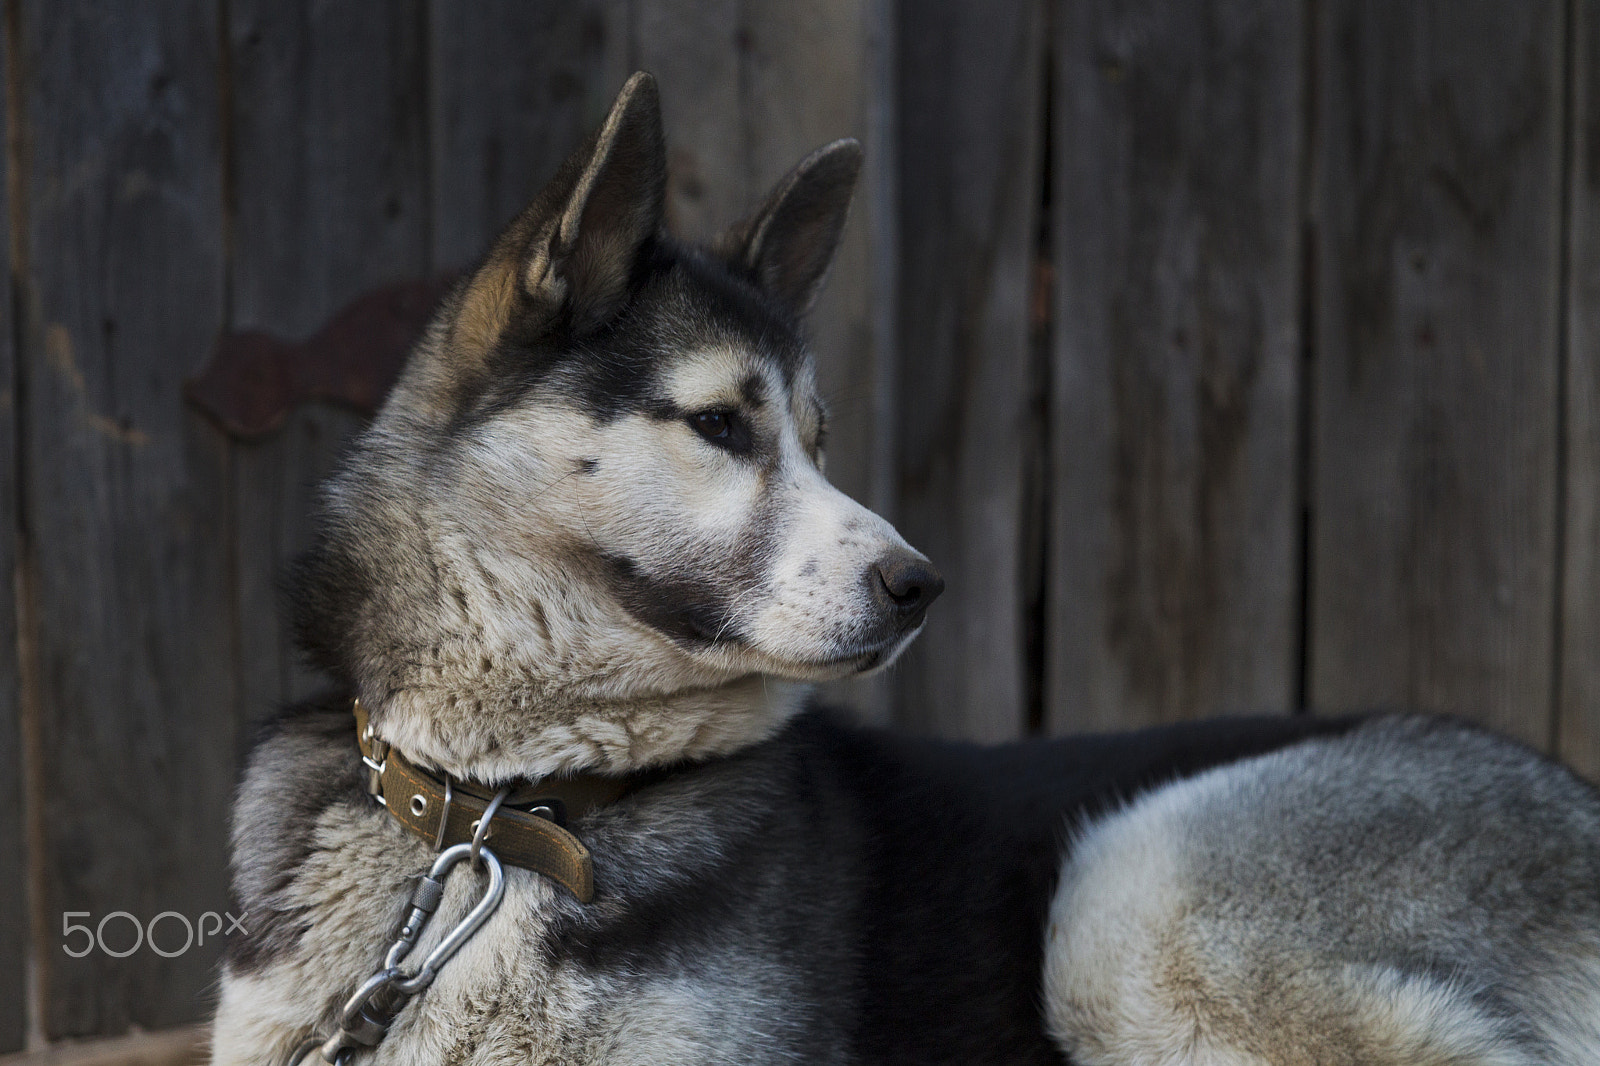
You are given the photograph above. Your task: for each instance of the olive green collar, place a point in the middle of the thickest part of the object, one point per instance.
(528, 825)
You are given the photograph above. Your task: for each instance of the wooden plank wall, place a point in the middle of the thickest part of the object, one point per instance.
(1438, 365)
(1284, 472)
(1225, 356)
(13, 868)
(1173, 584)
(969, 75)
(126, 548)
(1578, 701)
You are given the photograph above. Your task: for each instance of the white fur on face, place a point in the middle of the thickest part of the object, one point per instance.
(816, 616)
(808, 612)
(785, 555)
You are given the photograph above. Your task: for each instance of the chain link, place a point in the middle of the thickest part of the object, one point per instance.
(365, 1019)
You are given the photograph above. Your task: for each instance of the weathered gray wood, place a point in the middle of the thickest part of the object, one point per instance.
(329, 153)
(124, 494)
(1173, 540)
(696, 51)
(14, 946)
(1578, 704)
(514, 86)
(971, 134)
(1434, 465)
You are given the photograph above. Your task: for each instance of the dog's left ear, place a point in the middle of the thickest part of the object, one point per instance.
(584, 254)
(572, 252)
(788, 243)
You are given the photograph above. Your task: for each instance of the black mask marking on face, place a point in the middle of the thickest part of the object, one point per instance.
(686, 611)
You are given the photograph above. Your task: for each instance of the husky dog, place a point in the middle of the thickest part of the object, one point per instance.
(589, 539)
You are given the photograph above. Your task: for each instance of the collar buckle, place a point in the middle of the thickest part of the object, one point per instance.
(375, 757)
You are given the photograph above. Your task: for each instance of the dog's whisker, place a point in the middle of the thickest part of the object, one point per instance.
(728, 614)
(540, 494)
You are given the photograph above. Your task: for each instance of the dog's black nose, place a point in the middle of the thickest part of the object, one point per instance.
(908, 583)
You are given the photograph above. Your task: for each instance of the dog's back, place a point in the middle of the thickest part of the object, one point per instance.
(1414, 893)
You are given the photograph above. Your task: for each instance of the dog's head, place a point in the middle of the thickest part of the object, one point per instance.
(594, 504)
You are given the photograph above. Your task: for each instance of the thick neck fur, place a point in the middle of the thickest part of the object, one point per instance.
(609, 736)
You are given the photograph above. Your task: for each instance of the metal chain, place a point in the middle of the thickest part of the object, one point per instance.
(365, 1019)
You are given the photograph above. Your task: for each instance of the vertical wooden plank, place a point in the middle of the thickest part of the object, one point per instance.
(696, 51)
(329, 157)
(748, 88)
(880, 228)
(971, 132)
(13, 869)
(123, 491)
(1578, 705)
(514, 86)
(804, 77)
(1438, 207)
(1173, 539)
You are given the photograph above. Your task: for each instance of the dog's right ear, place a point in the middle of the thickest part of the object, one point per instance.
(573, 251)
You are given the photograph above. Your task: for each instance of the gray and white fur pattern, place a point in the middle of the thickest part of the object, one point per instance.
(1413, 893)
(590, 531)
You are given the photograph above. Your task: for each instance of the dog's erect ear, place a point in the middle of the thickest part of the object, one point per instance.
(788, 243)
(576, 246)
(583, 254)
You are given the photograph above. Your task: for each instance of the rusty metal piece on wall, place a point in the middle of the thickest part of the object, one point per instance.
(254, 379)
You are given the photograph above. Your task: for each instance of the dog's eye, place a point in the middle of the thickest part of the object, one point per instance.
(713, 425)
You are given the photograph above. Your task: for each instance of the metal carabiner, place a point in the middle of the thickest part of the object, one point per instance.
(464, 929)
(367, 1015)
